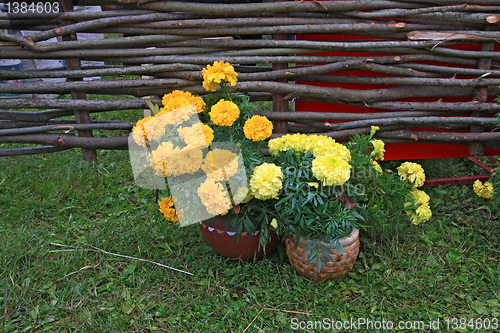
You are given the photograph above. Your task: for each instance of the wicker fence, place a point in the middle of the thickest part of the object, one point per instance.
(412, 51)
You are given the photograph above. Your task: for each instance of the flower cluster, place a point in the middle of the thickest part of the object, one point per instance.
(420, 210)
(331, 162)
(192, 142)
(185, 138)
(318, 145)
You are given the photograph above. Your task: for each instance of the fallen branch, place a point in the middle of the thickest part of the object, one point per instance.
(271, 309)
(128, 257)
(81, 269)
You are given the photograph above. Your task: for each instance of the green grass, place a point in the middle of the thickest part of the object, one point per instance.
(445, 268)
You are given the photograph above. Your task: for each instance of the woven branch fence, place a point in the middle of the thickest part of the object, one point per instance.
(412, 51)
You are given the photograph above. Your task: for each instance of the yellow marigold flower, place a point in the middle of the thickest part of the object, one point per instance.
(198, 135)
(274, 223)
(219, 72)
(413, 172)
(485, 190)
(258, 128)
(167, 208)
(220, 164)
(377, 166)
(275, 145)
(266, 181)
(422, 212)
(318, 145)
(287, 142)
(328, 146)
(374, 129)
(379, 150)
(172, 100)
(224, 113)
(214, 197)
(331, 170)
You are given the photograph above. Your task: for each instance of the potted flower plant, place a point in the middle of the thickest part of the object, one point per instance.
(201, 153)
(206, 156)
(330, 189)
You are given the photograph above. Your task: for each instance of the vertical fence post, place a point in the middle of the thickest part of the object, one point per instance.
(279, 102)
(73, 63)
(481, 96)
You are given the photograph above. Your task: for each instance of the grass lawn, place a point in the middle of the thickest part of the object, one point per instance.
(58, 212)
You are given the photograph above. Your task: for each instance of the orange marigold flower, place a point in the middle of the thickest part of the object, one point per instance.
(224, 113)
(170, 101)
(258, 128)
(167, 208)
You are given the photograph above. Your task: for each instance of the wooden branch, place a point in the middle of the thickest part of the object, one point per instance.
(69, 141)
(334, 135)
(441, 106)
(96, 86)
(342, 116)
(81, 15)
(455, 16)
(456, 35)
(268, 7)
(389, 80)
(88, 105)
(30, 150)
(66, 128)
(92, 43)
(414, 121)
(427, 136)
(131, 70)
(342, 96)
(95, 24)
(464, 53)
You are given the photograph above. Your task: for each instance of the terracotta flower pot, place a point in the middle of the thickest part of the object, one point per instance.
(222, 239)
(340, 265)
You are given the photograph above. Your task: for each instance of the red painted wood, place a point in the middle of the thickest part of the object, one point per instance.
(394, 151)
